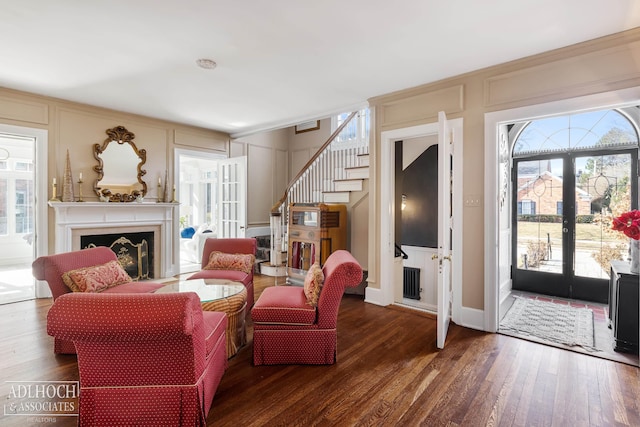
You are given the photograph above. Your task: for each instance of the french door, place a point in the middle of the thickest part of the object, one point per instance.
(562, 243)
(232, 180)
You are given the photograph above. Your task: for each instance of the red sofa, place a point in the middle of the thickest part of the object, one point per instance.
(52, 267)
(143, 359)
(230, 246)
(287, 330)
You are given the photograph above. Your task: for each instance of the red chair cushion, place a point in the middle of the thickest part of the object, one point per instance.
(215, 324)
(283, 305)
(134, 288)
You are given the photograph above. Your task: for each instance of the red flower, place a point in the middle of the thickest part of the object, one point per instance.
(629, 224)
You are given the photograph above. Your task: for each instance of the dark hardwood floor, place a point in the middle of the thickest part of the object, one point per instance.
(388, 373)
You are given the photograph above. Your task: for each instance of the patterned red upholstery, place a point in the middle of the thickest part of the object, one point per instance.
(52, 267)
(289, 331)
(230, 246)
(144, 359)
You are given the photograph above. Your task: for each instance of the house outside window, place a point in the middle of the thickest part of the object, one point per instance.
(526, 207)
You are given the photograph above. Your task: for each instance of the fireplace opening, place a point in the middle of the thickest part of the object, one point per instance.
(134, 251)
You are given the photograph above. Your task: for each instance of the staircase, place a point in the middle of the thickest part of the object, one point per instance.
(330, 176)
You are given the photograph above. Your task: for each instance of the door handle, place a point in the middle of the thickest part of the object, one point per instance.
(448, 258)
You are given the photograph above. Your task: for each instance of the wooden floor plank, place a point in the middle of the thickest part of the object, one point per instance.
(388, 373)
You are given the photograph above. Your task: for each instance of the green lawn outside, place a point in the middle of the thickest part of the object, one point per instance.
(588, 236)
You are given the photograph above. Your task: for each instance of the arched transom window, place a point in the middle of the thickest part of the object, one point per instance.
(575, 133)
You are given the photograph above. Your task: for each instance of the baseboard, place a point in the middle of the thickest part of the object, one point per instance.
(373, 296)
(469, 317)
(472, 318)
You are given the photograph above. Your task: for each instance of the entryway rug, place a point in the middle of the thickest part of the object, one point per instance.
(558, 323)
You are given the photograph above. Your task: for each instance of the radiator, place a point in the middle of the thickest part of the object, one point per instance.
(411, 283)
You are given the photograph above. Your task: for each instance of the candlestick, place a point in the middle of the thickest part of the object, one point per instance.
(159, 191)
(80, 187)
(54, 192)
(173, 195)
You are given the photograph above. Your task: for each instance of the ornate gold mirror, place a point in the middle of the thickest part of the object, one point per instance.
(119, 167)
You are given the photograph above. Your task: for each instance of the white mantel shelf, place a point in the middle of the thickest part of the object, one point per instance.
(116, 205)
(79, 218)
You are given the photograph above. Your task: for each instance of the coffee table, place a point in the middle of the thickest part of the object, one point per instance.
(219, 295)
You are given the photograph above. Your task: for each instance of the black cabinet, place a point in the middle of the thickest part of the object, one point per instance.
(623, 307)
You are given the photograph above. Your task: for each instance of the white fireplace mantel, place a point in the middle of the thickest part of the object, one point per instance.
(81, 218)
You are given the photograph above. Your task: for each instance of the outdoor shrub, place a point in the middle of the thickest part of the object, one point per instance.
(608, 253)
(584, 219)
(540, 218)
(536, 253)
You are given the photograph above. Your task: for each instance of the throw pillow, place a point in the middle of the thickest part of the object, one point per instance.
(223, 261)
(96, 278)
(312, 283)
(188, 233)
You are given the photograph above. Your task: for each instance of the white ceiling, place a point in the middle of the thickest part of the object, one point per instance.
(280, 61)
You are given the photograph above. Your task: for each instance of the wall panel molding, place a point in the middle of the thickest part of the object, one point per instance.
(579, 75)
(24, 111)
(423, 106)
(201, 140)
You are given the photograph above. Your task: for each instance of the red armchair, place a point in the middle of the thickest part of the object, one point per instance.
(287, 330)
(146, 359)
(52, 267)
(229, 246)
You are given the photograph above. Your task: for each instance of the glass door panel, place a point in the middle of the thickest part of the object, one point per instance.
(540, 227)
(539, 217)
(602, 188)
(563, 207)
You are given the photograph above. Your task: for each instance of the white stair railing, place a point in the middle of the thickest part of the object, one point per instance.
(320, 177)
(316, 177)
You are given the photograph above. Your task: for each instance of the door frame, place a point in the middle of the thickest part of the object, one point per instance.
(494, 268)
(387, 198)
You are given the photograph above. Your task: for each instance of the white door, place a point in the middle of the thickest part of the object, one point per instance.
(232, 207)
(504, 213)
(445, 174)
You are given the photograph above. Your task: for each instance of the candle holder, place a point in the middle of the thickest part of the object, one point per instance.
(80, 181)
(159, 193)
(54, 193)
(173, 195)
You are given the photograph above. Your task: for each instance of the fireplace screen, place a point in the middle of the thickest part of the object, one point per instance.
(134, 251)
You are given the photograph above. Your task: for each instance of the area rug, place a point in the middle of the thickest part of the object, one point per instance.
(558, 323)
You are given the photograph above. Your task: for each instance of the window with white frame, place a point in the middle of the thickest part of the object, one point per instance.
(355, 133)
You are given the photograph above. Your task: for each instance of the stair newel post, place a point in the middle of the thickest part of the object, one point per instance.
(276, 239)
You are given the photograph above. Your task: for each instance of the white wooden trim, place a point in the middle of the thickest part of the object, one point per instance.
(41, 194)
(385, 295)
(615, 99)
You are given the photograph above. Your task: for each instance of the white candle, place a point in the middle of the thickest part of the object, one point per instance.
(80, 176)
(159, 181)
(54, 181)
